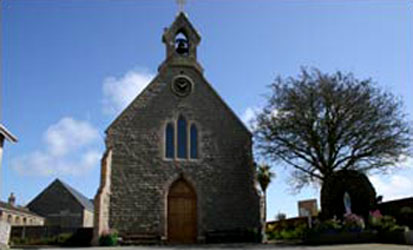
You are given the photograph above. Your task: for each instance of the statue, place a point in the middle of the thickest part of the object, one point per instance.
(347, 203)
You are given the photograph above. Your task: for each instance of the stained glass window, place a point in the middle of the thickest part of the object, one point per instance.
(194, 142)
(182, 138)
(169, 141)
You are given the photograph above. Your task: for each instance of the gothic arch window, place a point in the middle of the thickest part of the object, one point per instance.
(194, 141)
(169, 141)
(182, 138)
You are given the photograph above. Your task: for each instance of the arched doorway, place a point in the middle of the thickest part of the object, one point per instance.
(182, 216)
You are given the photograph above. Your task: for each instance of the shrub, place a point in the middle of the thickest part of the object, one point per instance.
(281, 216)
(58, 240)
(109, 238)
(353, 223)
(327, 226)
(287, 231)
(384, 224)
(63, 238)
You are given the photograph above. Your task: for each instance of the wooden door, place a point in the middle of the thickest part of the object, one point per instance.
(182, 218)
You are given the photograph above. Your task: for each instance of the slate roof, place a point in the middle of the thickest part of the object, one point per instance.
(7, 206)
(83, 200)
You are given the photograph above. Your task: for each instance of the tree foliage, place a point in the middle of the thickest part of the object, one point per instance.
(320, 123)
(264, 176)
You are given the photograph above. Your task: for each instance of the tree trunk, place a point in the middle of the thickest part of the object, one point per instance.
(264, 217)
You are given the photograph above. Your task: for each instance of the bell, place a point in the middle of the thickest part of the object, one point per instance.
(182, 47)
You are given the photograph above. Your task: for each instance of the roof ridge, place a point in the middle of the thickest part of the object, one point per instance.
(83, 200)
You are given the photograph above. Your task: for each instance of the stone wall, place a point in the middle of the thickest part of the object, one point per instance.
(80, 236)
(5, 229)
(135, 182)
(102, 198)
(223, 176)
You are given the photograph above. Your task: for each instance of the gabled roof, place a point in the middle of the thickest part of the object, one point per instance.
(9, 136)
(83, 201)
(181, 22)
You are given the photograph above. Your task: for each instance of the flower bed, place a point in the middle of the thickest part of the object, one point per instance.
(381, 229)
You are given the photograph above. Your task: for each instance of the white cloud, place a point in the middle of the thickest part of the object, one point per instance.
(119, 92)
(69, 149)
(68, 135)
(393, 187)
(248, 117)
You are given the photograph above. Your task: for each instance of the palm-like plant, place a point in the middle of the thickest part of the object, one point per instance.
(264, 178)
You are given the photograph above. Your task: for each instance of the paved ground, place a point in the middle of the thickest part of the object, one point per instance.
(255, 247)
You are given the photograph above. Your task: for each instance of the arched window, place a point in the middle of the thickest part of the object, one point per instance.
(169, 141)
(182, 138)
(194, 142)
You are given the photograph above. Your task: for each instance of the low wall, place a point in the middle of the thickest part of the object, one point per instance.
(399, 210)
(38, 232)
(80, 236)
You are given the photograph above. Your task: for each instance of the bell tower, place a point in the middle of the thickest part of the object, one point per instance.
(181, 41)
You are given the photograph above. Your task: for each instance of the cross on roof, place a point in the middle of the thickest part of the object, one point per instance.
(181, 4)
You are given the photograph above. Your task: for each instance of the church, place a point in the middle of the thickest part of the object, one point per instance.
(178, 165)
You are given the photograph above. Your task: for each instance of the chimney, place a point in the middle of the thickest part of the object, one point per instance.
(12, 199)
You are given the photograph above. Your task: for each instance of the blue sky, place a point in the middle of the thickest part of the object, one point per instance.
(70, 66)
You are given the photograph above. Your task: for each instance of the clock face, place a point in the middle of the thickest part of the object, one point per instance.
(181, 86)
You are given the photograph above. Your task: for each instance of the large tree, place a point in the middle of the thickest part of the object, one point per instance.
(320, 123)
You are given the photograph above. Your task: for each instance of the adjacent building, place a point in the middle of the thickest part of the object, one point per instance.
(18, 216)
(5, 135)
(63, 206)
(4, 226)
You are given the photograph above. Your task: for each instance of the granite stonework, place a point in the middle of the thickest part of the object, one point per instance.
(136, 176)
(5, 229)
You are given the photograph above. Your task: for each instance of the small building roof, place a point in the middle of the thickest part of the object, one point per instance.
(83, 200)
(7, 206)
(80, 198)
(7, 134)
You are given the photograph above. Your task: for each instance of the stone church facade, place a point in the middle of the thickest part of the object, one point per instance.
(178, 165)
